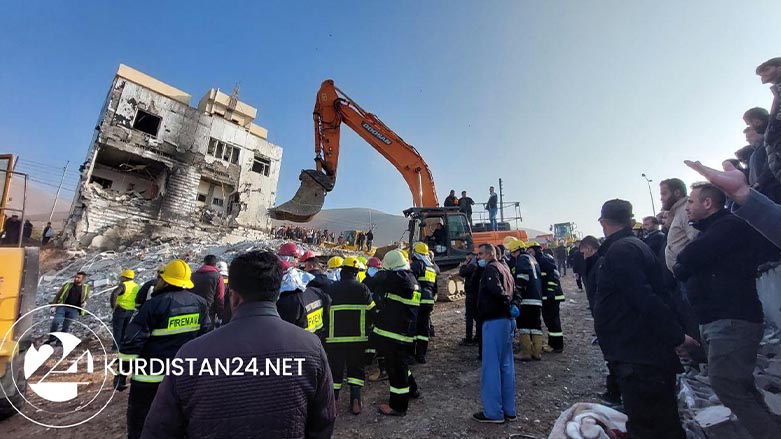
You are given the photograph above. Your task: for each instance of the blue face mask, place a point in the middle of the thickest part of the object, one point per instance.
(371, 271)
(482, 262)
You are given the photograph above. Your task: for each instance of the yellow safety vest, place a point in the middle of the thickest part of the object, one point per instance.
(127, 300)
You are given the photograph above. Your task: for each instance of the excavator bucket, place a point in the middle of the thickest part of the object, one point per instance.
(307, 201)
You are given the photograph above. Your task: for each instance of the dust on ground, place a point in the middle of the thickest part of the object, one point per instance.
(449, 382)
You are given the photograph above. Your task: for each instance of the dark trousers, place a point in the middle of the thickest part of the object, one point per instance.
(579, 280)
(611, 383)
(424, 330)
(470, 314)
(119, 321)
(561, 264)
(402, 383)
(529, 321)
(649, 398)
(348, 356)
(138, 403)
(552, 318)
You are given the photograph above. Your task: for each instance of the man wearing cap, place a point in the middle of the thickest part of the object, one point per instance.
(637, 328)
(313, 267)
(208, 283)
(123, 302)
(298, 303)
(166, 321)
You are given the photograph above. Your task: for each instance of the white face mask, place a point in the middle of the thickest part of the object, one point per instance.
(371, 271)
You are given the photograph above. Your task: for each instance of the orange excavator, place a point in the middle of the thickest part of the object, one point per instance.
(445, 229)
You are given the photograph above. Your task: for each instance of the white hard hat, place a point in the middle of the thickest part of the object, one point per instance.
(223, 267)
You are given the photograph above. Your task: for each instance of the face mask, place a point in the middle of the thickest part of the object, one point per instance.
(371, 271)
(482, 262)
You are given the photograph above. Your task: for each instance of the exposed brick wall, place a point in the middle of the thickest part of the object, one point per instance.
(180, 195)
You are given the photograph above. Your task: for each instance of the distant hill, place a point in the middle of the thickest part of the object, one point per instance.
(38, 204)
(388, 228)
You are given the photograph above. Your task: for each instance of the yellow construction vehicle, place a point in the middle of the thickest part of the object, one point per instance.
(18, 285)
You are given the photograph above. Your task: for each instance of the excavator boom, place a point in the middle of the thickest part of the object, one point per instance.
(332, 107)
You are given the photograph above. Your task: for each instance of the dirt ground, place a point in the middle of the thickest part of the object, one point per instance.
(450, 383)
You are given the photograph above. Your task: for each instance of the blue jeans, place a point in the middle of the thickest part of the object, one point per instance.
(63, 315)
(497, 383)
(492, 218)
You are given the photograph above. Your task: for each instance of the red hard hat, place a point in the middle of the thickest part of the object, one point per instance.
(307, 256)
(374, 262)
(289, 249)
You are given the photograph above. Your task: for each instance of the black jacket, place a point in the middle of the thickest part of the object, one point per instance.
(592, 268)
(657, 241)
(471, 272)
(720, 269)
(451, 201)
(304, 309)
(465, 205)
(528, 279)
(493, 300)
(397, 321)
(279, 404)
(143, 292)
(427, 279)
(168, 320)
(577, 261)
(320, 281)
(551, 282)
(350, 312)
(633, 315)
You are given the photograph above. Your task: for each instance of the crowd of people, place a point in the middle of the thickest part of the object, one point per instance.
(298, 233)
(465, 203)
(14, 230)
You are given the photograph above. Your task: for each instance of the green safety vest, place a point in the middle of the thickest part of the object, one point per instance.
(84, 294)
(127, 300)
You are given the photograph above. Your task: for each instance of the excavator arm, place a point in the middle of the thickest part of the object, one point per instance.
(332, 107)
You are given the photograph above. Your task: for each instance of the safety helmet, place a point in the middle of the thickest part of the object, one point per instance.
(421, 248)
(637, 226)
(177, 273)
(515, 245)
(130, 274)
(307, 256)
(335, 262)
(223, 267)
(353, 262)
(374, 262)
(532, 243)
(362, 259)
(507, 240)
(395, 259)
(403, 253)
(289, 249)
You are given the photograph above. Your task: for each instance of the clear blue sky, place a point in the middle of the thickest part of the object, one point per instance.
(568, 101)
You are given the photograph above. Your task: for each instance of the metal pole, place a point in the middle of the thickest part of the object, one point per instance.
(24, 206)
(54, 205)
(650, 193)
(501, 201)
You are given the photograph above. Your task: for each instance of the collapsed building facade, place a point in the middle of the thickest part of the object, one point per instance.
(157, 166)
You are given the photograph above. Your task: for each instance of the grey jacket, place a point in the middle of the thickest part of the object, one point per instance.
(762, 214)
(680, 233)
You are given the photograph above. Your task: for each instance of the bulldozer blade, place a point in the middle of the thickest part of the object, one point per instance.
(307, 201)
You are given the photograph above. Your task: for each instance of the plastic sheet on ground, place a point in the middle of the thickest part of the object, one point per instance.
(589, 421)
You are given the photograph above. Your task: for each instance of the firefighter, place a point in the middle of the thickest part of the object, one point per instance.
(362, 273)
(123, 303)
(527, 274)
(166, 321)
(348, 322)
(426, 274)
(552, 297)
(334, 266)
(374, 267)
(298, 304)
(394, 330)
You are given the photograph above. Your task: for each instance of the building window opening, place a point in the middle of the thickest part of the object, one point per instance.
(217, 202)
(201, 198)
(261, 165)
(146, 122)
(223, 151)
(105, 183)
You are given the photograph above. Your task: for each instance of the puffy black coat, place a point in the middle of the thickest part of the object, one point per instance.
(494, 298)
(397, 320)
(633, 315)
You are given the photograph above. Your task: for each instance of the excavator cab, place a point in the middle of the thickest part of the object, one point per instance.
(446, 231)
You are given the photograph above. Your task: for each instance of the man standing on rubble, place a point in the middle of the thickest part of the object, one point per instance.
(73, 293)
(720, 268)
(123, 302)
(208, 283)
(637, 329)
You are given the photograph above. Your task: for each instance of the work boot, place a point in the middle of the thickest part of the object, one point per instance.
(525, 353)
(355, 400)
(537, 342)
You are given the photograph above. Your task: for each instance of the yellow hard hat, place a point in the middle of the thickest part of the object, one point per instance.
(421, 248)
(405, 254)
(335, 262)
(507, 240)
(177, 273)
(130, 274)
(395, 259)
(515, 245)
(532, 243)
(353, 262)
(637, 226)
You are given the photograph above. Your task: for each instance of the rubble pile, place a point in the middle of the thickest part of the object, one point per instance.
(144, 258)
(705, 416)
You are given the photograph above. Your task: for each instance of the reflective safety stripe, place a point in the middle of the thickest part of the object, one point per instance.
(429, 276)
(370, 351)
(180, 324)
(409, 373)
(122, 356)
(370, 306)
(182, 330)
(556, 334)
(545, 298)
(393, 335)
(536, 331)
(531, 302)
(354, 381)
(337, 386)
(560, 297)
(399, 390)
(552, 283)
(523, 276)
(346, 339)
(524, 331)
(415, 301)
(544, 273)
(427, 301)
(421, 337)
(148, 378)
(314, 320)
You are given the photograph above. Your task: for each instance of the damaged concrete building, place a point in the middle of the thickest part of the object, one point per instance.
(160, 167)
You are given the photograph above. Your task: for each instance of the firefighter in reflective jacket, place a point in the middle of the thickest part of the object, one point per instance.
(426, 273)
(395, 329)
(166, 321)
(552, 297)
(527, 274)
(348, 321)
(123, 302)
(298, 304)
